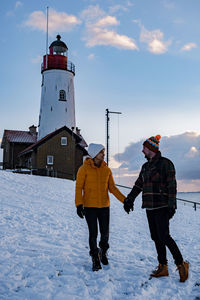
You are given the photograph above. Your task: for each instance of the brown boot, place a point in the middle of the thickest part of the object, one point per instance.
(161, 270)
(183, 271)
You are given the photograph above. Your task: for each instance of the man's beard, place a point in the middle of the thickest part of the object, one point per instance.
(148, 158)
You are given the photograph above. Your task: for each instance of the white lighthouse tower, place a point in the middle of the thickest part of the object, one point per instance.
(57, 106)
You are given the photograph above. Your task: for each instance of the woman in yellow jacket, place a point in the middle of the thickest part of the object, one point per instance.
(94, 180)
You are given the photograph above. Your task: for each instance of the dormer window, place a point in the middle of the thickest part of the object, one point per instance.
(62, 95)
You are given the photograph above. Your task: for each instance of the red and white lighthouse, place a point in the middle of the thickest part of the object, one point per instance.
(57, 106)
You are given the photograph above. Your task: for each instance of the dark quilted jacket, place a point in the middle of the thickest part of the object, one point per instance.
(157, 182)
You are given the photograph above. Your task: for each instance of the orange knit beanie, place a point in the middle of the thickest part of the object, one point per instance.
(153, 143)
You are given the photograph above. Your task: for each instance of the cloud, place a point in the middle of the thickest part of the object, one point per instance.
(18, 4)
(57, 21)
(189, 185)
(115, 8)
(154, 40)
(91, 56)
(193, 152)
(92, 13)
(97, 32)
(188, 47)
(98, 36)
(183, 150)
(120, 8)
(137, 21)
(11, 13)
(107, 21)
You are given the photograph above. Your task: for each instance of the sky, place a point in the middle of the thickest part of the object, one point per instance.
(137, 57)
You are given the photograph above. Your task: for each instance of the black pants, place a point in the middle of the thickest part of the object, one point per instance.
(159, 228)
(94, 216)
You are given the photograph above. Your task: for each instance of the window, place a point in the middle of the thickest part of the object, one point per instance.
(64, 141)
(49, 160)
(62, 95)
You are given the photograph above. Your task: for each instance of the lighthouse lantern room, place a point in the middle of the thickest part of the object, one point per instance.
(57, 106)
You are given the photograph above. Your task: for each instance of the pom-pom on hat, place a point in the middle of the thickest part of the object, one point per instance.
(94, 149)
(153, 143)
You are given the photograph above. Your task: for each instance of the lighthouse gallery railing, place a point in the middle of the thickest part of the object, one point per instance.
(69, 66)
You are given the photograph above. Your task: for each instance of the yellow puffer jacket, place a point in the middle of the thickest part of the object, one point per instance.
(93, 184)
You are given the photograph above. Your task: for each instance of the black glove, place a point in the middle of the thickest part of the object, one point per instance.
(80, 211)
(128, 205)
(171, 212)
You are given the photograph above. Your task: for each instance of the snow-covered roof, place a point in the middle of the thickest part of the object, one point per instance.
(82, 142)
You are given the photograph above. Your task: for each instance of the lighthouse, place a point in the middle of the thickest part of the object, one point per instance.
(57, 106)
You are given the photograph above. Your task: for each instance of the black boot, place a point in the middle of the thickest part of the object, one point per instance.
(103, 257)
(96, 265)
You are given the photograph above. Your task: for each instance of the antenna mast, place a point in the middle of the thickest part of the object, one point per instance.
(47, 38)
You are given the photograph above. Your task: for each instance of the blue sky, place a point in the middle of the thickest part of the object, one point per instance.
(138, 57)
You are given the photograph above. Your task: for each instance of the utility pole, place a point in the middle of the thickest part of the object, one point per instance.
(107, 131)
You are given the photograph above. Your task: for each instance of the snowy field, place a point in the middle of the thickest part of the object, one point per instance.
(44, 247)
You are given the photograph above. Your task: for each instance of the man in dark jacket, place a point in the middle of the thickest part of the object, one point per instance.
(157, 182)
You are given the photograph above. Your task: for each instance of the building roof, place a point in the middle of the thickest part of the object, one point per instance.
(18, 136)
(49, 136)
(82, 142)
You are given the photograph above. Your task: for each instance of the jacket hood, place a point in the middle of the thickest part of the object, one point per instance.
(89, 162)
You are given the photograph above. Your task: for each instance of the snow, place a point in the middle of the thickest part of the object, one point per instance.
(44, 247)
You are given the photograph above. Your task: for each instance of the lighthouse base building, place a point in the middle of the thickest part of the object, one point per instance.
(58, 154)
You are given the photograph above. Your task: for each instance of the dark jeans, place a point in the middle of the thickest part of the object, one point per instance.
(94, 216)
(159, 228)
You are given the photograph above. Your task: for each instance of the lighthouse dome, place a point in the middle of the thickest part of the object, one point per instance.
(58, 46)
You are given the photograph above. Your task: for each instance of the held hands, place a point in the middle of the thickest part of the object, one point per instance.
(128, 205)
(80, 211)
